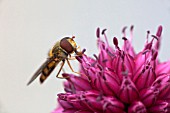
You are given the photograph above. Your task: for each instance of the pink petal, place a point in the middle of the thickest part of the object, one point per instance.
(130, 64)
(162, 83)
(112, 105)
(128, 92)
(91, 100)
(113, 83)
(65, 104)
(163, 68)
(117, 66)
(100, 84)
(140, 61)
(79, 83)
(105, 81)
(69, 111)
(58, 110)
(104, 57)
(68, 87)
(159, 107)
(83, 111)
(81, 101)
(129, 49)
(159, 31)
(85, 62)
(149, 96)
(137, 107)
(145, 78)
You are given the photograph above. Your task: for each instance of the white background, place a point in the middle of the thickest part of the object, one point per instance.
(28, 28)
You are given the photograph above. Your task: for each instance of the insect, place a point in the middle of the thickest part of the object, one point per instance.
(61, 51)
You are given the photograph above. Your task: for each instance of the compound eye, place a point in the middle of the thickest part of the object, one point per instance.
(65, 44)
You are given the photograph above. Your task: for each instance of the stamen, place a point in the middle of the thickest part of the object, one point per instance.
(109, 53)
(100, 67)
(98, 32)
(115, 41)
(83, 51)
(95, 57)
(124, 31)
(147, 36)
(155, 37)
(125, 44)
(131, 28)
(124, 38)
(131, 32)
(103, 33)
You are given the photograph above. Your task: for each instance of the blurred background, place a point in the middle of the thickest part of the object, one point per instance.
(29, 28)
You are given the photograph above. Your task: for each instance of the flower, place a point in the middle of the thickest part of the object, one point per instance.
(119, 80)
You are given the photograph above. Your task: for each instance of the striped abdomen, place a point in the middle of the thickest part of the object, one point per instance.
(47, 70)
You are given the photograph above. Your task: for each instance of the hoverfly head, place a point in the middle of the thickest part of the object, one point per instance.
(68, 44)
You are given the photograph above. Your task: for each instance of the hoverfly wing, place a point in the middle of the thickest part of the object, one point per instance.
(37, 73)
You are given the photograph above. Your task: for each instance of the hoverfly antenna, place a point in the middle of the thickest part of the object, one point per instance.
(73, 37)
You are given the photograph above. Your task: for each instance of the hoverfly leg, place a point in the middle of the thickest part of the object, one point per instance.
(75, 71)
(60, 71)
(72, 58)
(71, 66)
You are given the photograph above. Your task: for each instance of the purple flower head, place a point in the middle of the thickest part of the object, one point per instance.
(118, 80)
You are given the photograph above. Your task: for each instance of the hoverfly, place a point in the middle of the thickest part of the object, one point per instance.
(59, 52)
